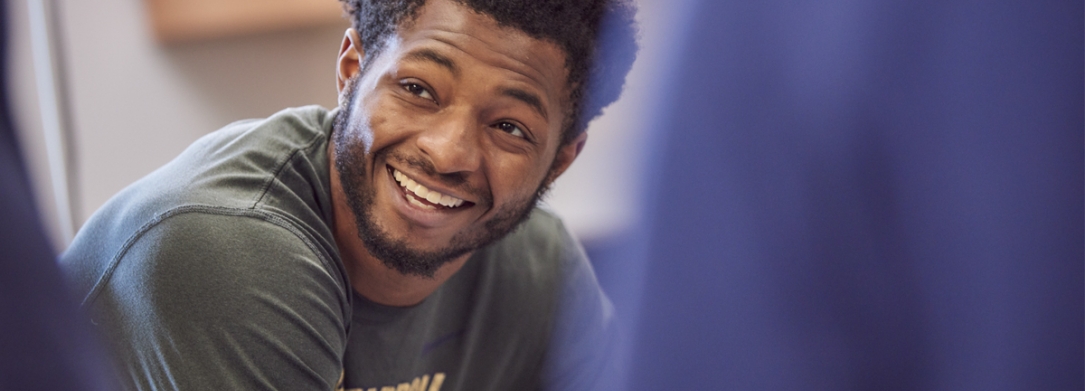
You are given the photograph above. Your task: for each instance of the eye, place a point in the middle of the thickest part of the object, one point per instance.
(419, 90)
(510, 128)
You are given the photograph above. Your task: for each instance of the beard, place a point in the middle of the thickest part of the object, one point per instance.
(395, 253)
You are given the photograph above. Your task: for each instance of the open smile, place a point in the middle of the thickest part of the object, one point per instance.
(423, 197)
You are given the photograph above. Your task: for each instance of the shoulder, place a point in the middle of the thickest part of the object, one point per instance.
(226, 299)
(547, 284)
(232, 169)
(243, 158)
(541, 262)
(215, 252)
(234, 165)
(291, 128)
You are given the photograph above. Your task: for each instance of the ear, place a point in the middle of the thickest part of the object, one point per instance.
(565, 156)
(349, 63)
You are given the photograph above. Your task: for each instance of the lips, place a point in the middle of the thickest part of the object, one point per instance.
(424, 197)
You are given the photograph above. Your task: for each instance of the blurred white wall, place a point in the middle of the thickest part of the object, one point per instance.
(135, 104)
(596, 196)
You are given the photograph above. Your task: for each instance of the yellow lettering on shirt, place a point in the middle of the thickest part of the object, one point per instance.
(438, 378)
(418, 384)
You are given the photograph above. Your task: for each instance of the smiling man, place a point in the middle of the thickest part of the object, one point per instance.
(391, 244)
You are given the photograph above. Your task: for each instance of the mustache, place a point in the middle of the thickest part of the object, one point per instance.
(455, 180)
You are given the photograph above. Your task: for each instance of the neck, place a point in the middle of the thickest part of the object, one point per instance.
(379, 283)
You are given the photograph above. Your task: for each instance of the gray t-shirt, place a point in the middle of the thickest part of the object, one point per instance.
(219, 271)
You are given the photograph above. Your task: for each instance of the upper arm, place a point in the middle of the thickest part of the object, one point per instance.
(206, 301)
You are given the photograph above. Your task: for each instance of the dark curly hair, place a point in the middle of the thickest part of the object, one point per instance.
(597, 36)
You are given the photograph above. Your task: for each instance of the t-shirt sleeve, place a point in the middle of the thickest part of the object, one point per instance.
(585, 335)
(206, 301)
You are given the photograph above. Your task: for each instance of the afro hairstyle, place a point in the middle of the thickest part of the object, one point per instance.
(597, 36)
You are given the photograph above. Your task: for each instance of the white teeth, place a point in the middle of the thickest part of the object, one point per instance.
(446, 200)
(415, 202)
(424, 193)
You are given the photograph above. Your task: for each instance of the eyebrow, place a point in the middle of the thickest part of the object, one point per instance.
(527, 97)
(434, 57)
(531, 99)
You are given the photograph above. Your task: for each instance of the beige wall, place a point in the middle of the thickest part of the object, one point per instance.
(136, 104)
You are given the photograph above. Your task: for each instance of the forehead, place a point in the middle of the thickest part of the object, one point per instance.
(453, 27)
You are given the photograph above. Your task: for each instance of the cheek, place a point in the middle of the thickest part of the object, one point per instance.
(515, 176)
(377, 122)
(390, 122)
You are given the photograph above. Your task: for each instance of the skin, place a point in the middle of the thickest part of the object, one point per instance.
(461, 106)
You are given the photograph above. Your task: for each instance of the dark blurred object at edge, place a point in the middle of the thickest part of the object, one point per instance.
(862, 195)
(45, 343)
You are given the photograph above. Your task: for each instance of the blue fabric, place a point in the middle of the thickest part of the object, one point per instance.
(44, 341)
(866, 195)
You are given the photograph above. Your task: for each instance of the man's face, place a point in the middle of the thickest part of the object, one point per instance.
(445, 143)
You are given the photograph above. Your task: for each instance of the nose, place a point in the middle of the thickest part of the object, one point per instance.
(452, 142)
